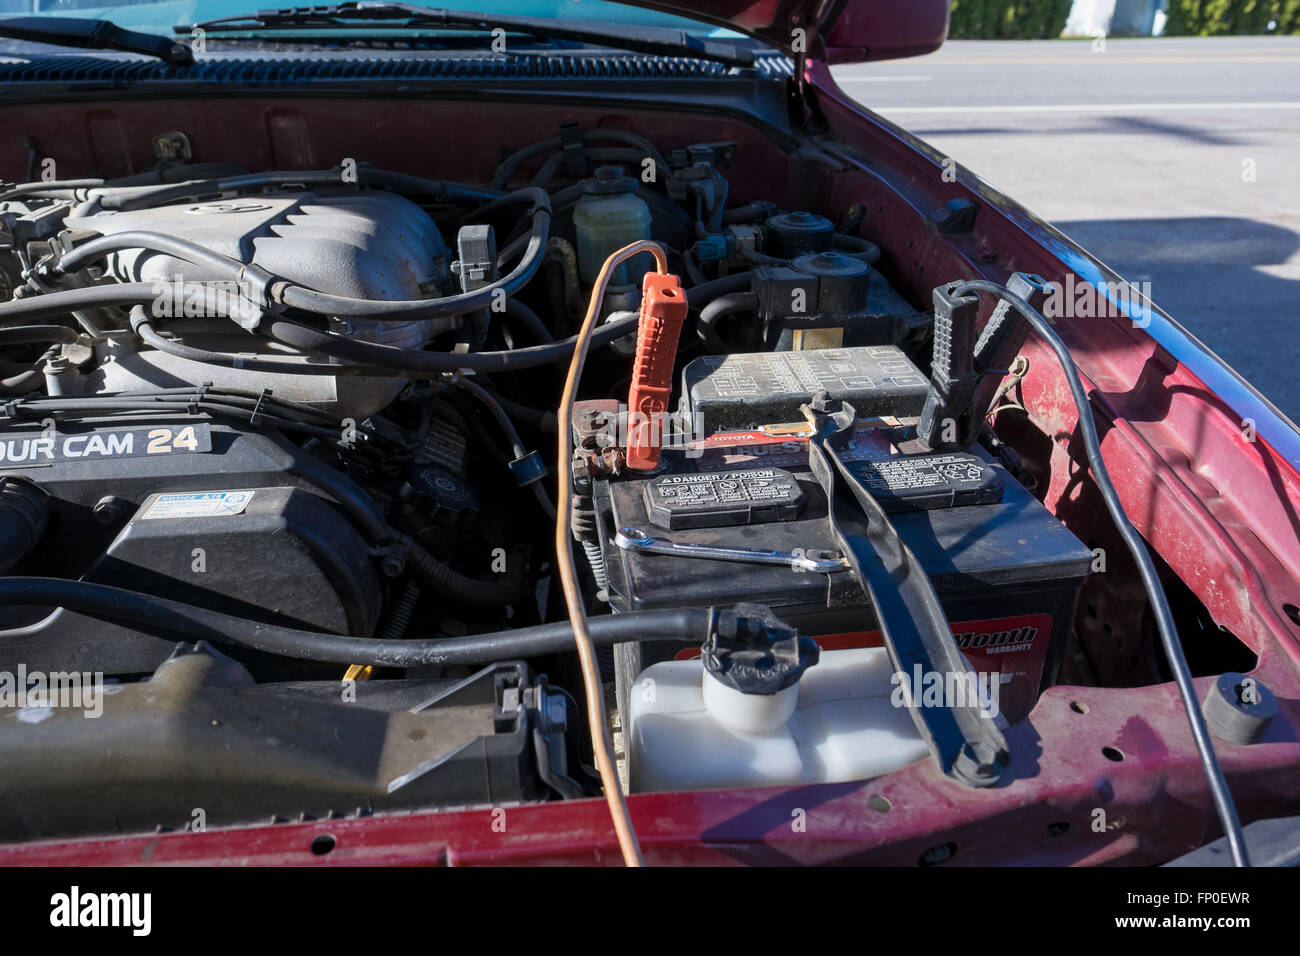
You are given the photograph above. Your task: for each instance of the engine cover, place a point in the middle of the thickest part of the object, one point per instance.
(372, 245)
(229, 519)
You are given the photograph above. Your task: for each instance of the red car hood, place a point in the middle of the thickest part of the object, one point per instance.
(837, 31)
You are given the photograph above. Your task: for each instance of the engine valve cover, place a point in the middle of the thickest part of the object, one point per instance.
(370, 245)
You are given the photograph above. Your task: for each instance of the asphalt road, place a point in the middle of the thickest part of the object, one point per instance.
(1174, 161)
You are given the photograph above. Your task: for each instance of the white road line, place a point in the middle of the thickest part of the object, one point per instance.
(886, 79)
(1091, 108)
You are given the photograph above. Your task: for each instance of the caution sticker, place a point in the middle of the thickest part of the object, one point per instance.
(926, 482)
(199, 504)
(722, 498)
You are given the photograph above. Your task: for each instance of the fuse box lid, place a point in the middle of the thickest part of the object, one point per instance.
(746, 390)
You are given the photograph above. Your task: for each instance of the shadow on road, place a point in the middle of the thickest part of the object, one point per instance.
(1094, 125)
(1211, 275)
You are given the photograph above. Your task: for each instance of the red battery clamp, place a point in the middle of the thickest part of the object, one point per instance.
(663, 310)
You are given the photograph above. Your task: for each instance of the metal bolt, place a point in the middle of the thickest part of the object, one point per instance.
(979, 761)
(109, 509)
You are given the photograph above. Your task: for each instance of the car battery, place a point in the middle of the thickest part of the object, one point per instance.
(1006, 570)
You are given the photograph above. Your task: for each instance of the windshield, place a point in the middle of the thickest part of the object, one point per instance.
(162, 16)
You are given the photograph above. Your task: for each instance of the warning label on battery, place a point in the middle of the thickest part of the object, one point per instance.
(720, 498)
(923, 482)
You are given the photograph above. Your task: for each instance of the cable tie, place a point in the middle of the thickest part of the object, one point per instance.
(255, 416)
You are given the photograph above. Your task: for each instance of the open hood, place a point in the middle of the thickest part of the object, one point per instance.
(837, 31)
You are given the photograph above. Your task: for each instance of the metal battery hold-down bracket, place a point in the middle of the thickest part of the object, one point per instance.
(962, 736)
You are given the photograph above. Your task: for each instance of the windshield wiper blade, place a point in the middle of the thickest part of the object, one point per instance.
(373, 14)
(94, 35)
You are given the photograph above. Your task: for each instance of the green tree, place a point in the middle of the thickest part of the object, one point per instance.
(1288, 16)
(1207, 18)
(1008, 19)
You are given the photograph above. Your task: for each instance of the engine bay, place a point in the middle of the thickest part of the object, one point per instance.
(278, 469)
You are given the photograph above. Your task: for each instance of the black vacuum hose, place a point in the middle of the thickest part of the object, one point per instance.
(172, 619)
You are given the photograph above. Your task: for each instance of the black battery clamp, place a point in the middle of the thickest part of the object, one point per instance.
(965, 372)
(963, 739)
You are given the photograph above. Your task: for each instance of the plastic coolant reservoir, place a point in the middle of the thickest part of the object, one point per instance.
(608, 217)
(688, 731)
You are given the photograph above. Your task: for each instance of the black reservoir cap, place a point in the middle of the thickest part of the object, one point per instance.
(927, 482)
(719, 499)
(753, 651)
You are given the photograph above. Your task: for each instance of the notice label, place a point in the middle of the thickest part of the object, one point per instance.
(199, 504)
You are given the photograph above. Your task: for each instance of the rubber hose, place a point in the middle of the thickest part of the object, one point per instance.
(76, 300)
(399, 616)
(142, 327)
(171, 618)
(24, 516)
(529, 320)
(722, 306)
(404, 360)
(450, 583)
